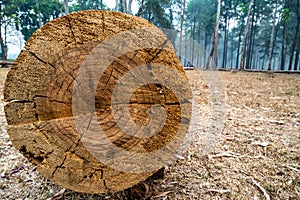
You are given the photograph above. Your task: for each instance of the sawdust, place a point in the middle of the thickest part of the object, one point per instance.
(256, 156)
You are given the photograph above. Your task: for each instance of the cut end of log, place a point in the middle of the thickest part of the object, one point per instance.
(98, 101)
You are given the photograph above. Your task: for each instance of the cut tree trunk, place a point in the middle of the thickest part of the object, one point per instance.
(77, 106)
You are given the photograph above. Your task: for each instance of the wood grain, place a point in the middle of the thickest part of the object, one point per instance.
(39, 92)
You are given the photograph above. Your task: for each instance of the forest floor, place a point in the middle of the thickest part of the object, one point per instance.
(256, 155)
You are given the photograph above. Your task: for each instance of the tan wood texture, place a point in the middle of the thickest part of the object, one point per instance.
(39, 92)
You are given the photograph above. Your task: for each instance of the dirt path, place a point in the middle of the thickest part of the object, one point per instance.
(256, 156)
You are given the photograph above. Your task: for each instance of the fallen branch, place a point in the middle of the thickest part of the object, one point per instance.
(219, 191)
(5, 62)
(276, 122)
(250, 109)
(261, 188)
(58, 196)
(224, 154)
(262, 144)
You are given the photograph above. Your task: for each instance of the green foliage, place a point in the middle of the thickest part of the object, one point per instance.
(203, 13)
(29, 12)
(285, 14)
(155, 12)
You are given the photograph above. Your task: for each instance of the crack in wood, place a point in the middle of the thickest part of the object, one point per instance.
(71, 29)
(38, 58)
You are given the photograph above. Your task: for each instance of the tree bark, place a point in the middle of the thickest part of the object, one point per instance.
(297, 56)
(181, 27)
(193, 41)
(210, 55)
(246, 36)
(2, 43)
(238, 50)
(224, 62)
(69, 114)
(297, 37)
(125, 9)
(130, 6)
(66, 3)
(284, 36)
(39, 13)
(216, 47)
(297, 34)
(253, 47)
(117, 5)
(250, 46)
(231, 52)
(3, 49)
(143, 8)
(272, 37)
(205, 46)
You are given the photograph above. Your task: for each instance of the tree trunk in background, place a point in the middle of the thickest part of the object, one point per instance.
(297, 55)
(210, 55)
(130, 6)
(205, 46)
(66, 3)
(245, 36)
(238, 50)
(252, 49)
(181, 26)
(250, 46)
(117, 5)
(193, 42)
(216, 38)
(231, 49)
(143, 8)
(263, 63)
(3, 49)
(214, 48)
(225, 45)
(284, 36)
(272, 37)
(121, 6)
(125, 9)
(297, 37)
(39, 13)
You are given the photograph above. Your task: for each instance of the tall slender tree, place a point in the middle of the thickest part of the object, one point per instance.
(66, 3)
(285, 17)
(297, 37)
(182, 13)
(216, 37)
(215, 43)
(130, 6)
(117, 5)
(246, 35)
(272, 36)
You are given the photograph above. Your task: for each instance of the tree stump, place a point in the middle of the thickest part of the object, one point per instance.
(98, 101)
